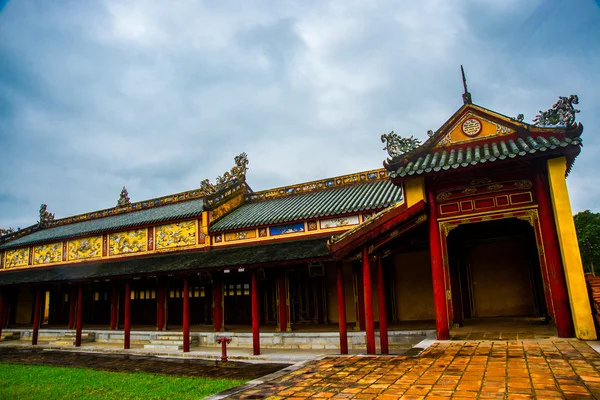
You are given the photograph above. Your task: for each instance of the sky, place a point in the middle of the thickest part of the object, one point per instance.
(157, 96)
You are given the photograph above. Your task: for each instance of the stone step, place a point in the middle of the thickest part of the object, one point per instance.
(193, 340)
(11, 336)
(163, 346)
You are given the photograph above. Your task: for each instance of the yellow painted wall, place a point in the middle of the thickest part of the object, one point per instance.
(414, 191)
(569, 248)
(331, 280)
(24, 305)
(179, 234)
(413, 286)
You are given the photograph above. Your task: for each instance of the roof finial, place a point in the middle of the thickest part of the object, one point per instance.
(466, 95)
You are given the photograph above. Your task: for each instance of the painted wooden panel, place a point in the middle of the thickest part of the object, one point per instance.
(286, 229)
(179, 234)
(82, 249)
(17, 258)
(473, 127)
(127, 242)
(339, 222)
(242, 235)
(47, 253)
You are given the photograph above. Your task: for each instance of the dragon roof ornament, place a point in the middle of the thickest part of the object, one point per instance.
(6, 231)
(45, 217)
(236, 174)
(397, 146)
(562, 113)
(123, 198)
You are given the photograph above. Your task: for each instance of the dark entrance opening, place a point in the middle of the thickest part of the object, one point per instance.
(495, 271)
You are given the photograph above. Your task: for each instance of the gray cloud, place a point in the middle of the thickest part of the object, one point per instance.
(158, 96)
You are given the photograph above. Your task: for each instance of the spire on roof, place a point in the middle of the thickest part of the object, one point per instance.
(123, 198)
(466, 95)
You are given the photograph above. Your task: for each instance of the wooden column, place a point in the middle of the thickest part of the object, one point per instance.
(186, 315)
(160, 305)
(127, 317)
(368, 298)
(281, 303)
(72, 307)
(79, 316)
(255, 316)
(360, 294)
(383, 328)
(341, 301)
(217, 305)
(36, 316)
(437, 272)
(556, 275)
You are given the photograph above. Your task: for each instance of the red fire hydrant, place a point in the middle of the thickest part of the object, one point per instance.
(224, 342)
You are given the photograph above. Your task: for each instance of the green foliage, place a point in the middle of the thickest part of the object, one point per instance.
(43, 382)
(587, 225)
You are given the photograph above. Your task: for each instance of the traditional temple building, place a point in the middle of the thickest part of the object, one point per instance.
(474, 223)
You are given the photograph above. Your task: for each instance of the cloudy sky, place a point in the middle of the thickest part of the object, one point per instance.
(156, 96)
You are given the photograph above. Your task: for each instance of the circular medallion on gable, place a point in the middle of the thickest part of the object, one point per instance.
(471, 127)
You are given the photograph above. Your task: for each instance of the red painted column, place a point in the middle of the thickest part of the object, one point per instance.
(368, 296)
(556, 275)
(79, 316)
(361, 301)
(341, 298)
(127, 317)
(437, 272)
(186, 316)
(36, 316)
(255, 316)
(383, 328)
(72, 308)
(160, 305)
(281, 312)
(7, 301)
(114, 307)
(217, 304)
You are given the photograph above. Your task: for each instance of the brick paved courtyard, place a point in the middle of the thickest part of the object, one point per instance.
(545, 369)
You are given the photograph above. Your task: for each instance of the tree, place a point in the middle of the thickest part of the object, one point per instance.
(587, 225)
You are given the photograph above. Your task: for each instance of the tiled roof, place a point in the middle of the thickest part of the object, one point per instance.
(435, 161)
(185, 209)
(296, 250)
(368, 196)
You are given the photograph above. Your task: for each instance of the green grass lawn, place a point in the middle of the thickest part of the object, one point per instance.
(42, 382)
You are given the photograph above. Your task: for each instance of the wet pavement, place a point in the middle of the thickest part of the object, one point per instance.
(542, 369)
(134, 363)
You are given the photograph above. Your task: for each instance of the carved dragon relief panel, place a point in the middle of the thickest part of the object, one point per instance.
(17, 258)
(128, 242)
(82, 249)
(179, 234)
(47, 253)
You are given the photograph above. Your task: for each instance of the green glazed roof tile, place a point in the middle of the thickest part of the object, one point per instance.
(473, 155)
(185, 209)
(334, 201)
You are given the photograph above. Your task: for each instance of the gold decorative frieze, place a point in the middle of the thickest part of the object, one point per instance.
(47, 253)
(82, 249)
(242, 235)
(127, 242)
(17, 258)
(179, 234)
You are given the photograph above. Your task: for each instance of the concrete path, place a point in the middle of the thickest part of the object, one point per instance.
(542, 369)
